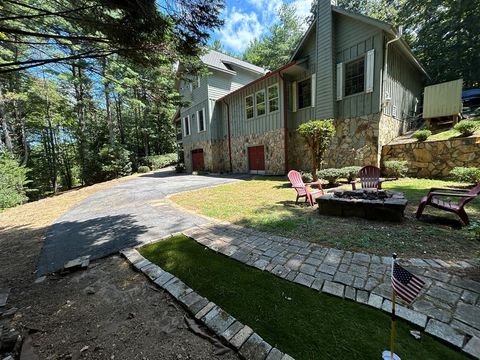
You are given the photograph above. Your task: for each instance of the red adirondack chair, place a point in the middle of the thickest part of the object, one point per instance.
(465, 196)
(302, 191)
(369, 178)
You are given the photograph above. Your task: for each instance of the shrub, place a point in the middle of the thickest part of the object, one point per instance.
(475, 228)
(156, 162)
(143, 169)
(115, 162)
(13, 179)
(467, 127)
(396, 168)
(350, 172)
(331, 175)
(422, 135)
(467, 174)
(180, 167)
(306, 177)
(317, 134)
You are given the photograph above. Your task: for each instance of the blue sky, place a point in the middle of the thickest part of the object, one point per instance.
(248, 19)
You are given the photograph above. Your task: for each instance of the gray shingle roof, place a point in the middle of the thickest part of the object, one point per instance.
(217, 60)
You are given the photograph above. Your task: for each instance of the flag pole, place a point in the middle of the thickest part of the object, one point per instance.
(394, 317)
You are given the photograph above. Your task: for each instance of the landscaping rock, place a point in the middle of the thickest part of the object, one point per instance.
(204, 311)
(153, 271)
(303, 279)
(132, 255)
(255, 348)
(362, 296)
(163, 279)
(473, 347)
(350, 293)
(443, 295)
(445, 332)
(177, 288)
(4, 293)
(81, 262)
(469, 314)
(220, 322)
(375, 301)
(275, 354)
(141, 264)
(232, 330)
(343, 278)
(402, 312)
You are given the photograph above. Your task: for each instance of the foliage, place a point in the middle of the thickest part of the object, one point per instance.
(331, 175)
(422, 135)
(475, 228)
(143, 169)
(116, 162)
(274, 49)
(396, 168)
(180, 168)
(306, 176)
(350, 172)
(467, 174)
(317, 134)
(159, 161)
(467, 127)
(13, 179)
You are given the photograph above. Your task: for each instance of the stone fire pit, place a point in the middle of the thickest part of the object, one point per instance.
(370, 204)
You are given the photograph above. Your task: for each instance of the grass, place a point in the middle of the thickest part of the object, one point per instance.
(267, 204)
(447, 134)
(298, 320)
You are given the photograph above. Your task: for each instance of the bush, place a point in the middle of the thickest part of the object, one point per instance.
(115, 162)
(396, 168)
(331, 175)
(13, 179)
(306, 177)
(143, 169)
(467, 127)
(156, 162)
(350, 172)
(422, 135)
(180, 168)
(467, 174)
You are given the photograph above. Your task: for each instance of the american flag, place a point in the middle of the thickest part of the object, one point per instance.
(405, 283)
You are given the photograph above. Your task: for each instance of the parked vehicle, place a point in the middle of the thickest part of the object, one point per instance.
(471, 103)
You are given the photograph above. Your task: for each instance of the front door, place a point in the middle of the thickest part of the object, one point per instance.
(256, 159)
(197, 160)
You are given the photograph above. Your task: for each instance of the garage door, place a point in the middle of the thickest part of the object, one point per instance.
(197, 159)
(256, 159)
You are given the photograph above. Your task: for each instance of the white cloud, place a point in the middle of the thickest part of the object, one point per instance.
(303, 8)
(240, 29)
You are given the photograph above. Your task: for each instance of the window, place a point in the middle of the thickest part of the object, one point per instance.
(305, 93)
(260, 102)
(201, 120)
(354, 77)
(273, 98)
(186, 126)
(196, 82)
(249, 106)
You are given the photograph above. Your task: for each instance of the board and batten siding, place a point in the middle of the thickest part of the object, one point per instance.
(353, 40)
(221, 84)
(196, 136)
(239, 124)
(403, 85)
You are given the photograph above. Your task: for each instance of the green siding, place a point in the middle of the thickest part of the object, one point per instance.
(403, 83)
(196, 136)
(240, 126)
(353, 40)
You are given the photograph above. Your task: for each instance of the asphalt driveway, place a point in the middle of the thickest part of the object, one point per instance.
(130, 213)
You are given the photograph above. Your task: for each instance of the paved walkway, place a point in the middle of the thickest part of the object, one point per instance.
(448, 307)
(128, 214)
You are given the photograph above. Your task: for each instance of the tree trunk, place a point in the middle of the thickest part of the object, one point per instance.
(51, 139)
(106, 89)
(80, 110)
(3, 119)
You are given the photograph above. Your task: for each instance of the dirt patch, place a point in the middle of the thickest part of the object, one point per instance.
(108, 311)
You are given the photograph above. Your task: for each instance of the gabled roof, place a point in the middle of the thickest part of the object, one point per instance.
(389, 29)
(222, 62)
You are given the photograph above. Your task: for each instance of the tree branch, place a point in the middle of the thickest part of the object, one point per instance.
(44, 13)
(52, 36)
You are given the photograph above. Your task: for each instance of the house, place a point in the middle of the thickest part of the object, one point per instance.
(353, 69)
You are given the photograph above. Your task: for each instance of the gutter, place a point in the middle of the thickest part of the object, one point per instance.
(285, 119)
(385, 68)
(229, 136)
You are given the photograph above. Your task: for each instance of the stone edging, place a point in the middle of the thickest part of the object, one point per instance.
(241, 337)
(335, 286)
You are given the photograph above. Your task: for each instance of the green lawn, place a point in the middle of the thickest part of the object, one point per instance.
(298, 320)
(268, 204)
(447, 134)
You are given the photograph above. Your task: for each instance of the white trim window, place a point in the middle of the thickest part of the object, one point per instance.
(186, 126)
(355, 77)
(249, 107)
(196, 82)
(201, 120)
(273, 102)
(260, 103)
(304, 92)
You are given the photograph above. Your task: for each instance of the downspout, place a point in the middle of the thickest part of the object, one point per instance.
(285, 120)
(385, 66)
(229, 136)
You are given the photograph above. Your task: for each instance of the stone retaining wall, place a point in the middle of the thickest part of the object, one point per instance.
(435, 159)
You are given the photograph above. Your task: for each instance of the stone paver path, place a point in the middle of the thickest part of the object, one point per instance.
(130, 213)
(448, 307)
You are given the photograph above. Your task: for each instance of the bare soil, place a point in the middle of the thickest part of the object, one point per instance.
(109, 311)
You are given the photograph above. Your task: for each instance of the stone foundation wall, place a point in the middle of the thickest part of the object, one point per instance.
(435, 159)
(273, 141)
(220, 160)
(389, 129)
(214, 154)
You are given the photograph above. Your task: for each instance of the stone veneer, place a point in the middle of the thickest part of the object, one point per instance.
(274, 151)
(435, 158)
(358, 141)
(215, 155)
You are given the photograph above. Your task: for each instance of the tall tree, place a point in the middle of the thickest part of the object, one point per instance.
(274, 49)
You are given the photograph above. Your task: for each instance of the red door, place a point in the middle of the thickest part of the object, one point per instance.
(256, 159)
(197, 159)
